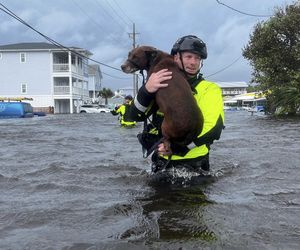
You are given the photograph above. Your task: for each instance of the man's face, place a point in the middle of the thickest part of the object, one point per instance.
(126, 101)
(190, 61)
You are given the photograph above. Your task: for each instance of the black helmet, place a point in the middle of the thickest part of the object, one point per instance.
(128, 97)
(190, 43)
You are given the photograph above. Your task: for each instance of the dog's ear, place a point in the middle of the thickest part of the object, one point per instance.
(151, 54)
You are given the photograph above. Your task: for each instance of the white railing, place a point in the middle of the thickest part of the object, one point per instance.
(76, 69)
(80, 91)
(65, 90)
(60, 67)
(64, 67)
(61, 90)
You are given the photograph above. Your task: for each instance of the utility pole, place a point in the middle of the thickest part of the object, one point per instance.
(135, 77)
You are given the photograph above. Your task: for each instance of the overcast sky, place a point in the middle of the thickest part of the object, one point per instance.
(103, 27)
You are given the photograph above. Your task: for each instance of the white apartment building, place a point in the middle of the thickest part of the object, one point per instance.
(52, 76)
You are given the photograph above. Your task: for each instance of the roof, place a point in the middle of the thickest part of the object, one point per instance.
(232, 84)
(249, 96)
(39, 46)
(21, 98)
(28, 46)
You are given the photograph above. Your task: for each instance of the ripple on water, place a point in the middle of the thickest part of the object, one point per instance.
(79, 182)
(53, 168)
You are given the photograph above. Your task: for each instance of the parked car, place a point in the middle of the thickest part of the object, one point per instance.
(93, 108)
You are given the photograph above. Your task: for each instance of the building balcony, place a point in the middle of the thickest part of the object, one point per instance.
(61, 67)
(64, 67)
(66, 90)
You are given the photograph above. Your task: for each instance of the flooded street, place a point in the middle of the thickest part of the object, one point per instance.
(80, 182)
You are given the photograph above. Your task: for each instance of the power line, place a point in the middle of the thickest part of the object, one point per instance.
(12, 14)
(242, 12)
(92, 20)
(120, 78)
(121, 18)
(123, 11)
(102, 8)
(224, 67)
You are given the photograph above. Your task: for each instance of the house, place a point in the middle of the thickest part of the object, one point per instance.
(124, 91)
(233, 88)
(95, 77)
(252, 101)
(52, 76)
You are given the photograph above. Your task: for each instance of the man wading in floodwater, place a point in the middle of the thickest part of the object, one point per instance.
(122, 110)
(189, 53)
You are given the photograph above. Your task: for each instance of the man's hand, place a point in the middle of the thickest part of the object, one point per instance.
(155, 80)
(164, 148)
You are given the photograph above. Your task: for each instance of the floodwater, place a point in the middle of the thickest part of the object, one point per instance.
(80, 182)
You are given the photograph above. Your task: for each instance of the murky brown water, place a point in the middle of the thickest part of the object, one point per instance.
(80, 182)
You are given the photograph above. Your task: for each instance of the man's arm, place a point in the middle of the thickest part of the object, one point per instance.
(116, 110)
(143, 103)
(211, 106)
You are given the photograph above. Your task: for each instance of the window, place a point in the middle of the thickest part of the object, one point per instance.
(22, 57)
(23, 88)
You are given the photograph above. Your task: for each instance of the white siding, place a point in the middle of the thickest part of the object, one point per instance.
(29, 73)
(35, 72)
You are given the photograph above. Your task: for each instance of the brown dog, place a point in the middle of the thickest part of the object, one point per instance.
(183, 120)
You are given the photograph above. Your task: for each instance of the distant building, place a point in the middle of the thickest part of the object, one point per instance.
(233, 88)
(119, 96)
(245, 101)
(124, 91)
(52, 76)
(95, 77)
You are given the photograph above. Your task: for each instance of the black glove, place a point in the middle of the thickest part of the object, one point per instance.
(113, 112)
(178, 149)
(148, 142)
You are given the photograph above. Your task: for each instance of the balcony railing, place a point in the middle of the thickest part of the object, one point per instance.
(79, 91)
(61, 90)
(60, 67)
(65, 90)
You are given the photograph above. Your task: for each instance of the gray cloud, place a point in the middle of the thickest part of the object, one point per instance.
(102, 27)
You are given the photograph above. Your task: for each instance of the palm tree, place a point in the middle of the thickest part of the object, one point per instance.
(287, 99)
(106, 93)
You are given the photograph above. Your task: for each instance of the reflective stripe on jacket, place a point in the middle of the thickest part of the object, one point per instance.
(122, 111)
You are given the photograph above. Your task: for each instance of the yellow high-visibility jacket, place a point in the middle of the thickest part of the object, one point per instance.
(122, 111)
(209, 98)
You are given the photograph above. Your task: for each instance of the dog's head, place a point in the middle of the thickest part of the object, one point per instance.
(139, 58)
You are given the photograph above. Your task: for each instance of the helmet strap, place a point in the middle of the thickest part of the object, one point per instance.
(183, 69)
(201, 65)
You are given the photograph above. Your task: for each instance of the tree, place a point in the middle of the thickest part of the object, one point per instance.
(274, 54)
(106, 93)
